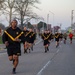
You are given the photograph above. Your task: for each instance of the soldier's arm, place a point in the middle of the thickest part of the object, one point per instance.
(4, 38)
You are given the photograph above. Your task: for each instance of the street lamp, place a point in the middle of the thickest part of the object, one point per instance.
(53, 16)
(43, 23)
(53, 20)
(47, 20)
(72, 18)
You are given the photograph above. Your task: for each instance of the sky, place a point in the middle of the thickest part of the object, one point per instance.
(59, 12)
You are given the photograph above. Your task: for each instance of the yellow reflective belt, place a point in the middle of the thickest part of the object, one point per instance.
(32, 34)
(44, 37)
(19, 35)
(48, 36)
(57, 36)
(27, 34)
(12, 37)
(9, 35)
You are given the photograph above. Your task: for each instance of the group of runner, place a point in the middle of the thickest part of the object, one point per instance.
(47, 36)
(14, 36)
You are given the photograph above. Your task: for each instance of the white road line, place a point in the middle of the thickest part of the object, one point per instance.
(40, 72)
(38, 42)
(57, 51)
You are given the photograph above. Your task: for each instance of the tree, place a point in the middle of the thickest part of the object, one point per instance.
(23, 8)
(1, 1)
(8, 8)
(18, 7)
(1, 6)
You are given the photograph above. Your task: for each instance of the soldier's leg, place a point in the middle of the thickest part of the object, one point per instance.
(45, 48)
(25, 47)
(32, 46)
(28, 46)
(16, 61)
(48, 46)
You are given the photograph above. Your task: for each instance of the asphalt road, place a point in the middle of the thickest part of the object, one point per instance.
(58, 61)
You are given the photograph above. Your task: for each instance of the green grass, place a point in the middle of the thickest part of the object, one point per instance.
(1, 40)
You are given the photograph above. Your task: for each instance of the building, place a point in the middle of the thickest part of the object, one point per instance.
(56, 28)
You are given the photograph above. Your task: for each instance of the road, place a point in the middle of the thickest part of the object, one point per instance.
(58, 61)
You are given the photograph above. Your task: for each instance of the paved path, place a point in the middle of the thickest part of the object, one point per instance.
(58, 61)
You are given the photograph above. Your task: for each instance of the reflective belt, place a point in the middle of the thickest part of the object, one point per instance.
(57, 36)
(27, 34)
(32, 34)
(19, 35)
(9, 35)
(45, 38)
(13, 39)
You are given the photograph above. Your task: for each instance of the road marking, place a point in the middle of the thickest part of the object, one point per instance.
(38, 42)
(40, 72)
(57, 51)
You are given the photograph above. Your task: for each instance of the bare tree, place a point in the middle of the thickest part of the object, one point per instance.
(1, 6)
(1, 1)
(24, 8)
(20, 8)
(7, 9)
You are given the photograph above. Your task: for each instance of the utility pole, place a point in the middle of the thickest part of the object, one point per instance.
(72, 18)
(53, 16)
(47, 20)
(53, 19)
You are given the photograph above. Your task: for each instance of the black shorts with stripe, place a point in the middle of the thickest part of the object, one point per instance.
(13, 51)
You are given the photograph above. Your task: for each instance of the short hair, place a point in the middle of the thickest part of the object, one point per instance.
(15, 20)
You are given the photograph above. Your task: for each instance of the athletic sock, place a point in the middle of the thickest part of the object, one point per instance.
(14, 71)
(45, 49)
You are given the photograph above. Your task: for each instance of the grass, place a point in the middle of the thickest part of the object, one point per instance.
(1, 40)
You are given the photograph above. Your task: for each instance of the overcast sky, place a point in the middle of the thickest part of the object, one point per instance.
(61, 10)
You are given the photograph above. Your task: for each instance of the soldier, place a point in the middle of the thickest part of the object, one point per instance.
(26, 32)
(27, 35)
(65, 37)
(32, 38)
(12, 38)
(57, 36)
(46, 39)
(61, 37)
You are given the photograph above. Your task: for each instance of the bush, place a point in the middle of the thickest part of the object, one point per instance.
(0, 40)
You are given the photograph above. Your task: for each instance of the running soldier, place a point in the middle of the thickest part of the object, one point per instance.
(61, 37)
(46, 40)
(32, 38)
(26, 33)
(12, 38)
(65, 37)
(57, 36)
(29, 39)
